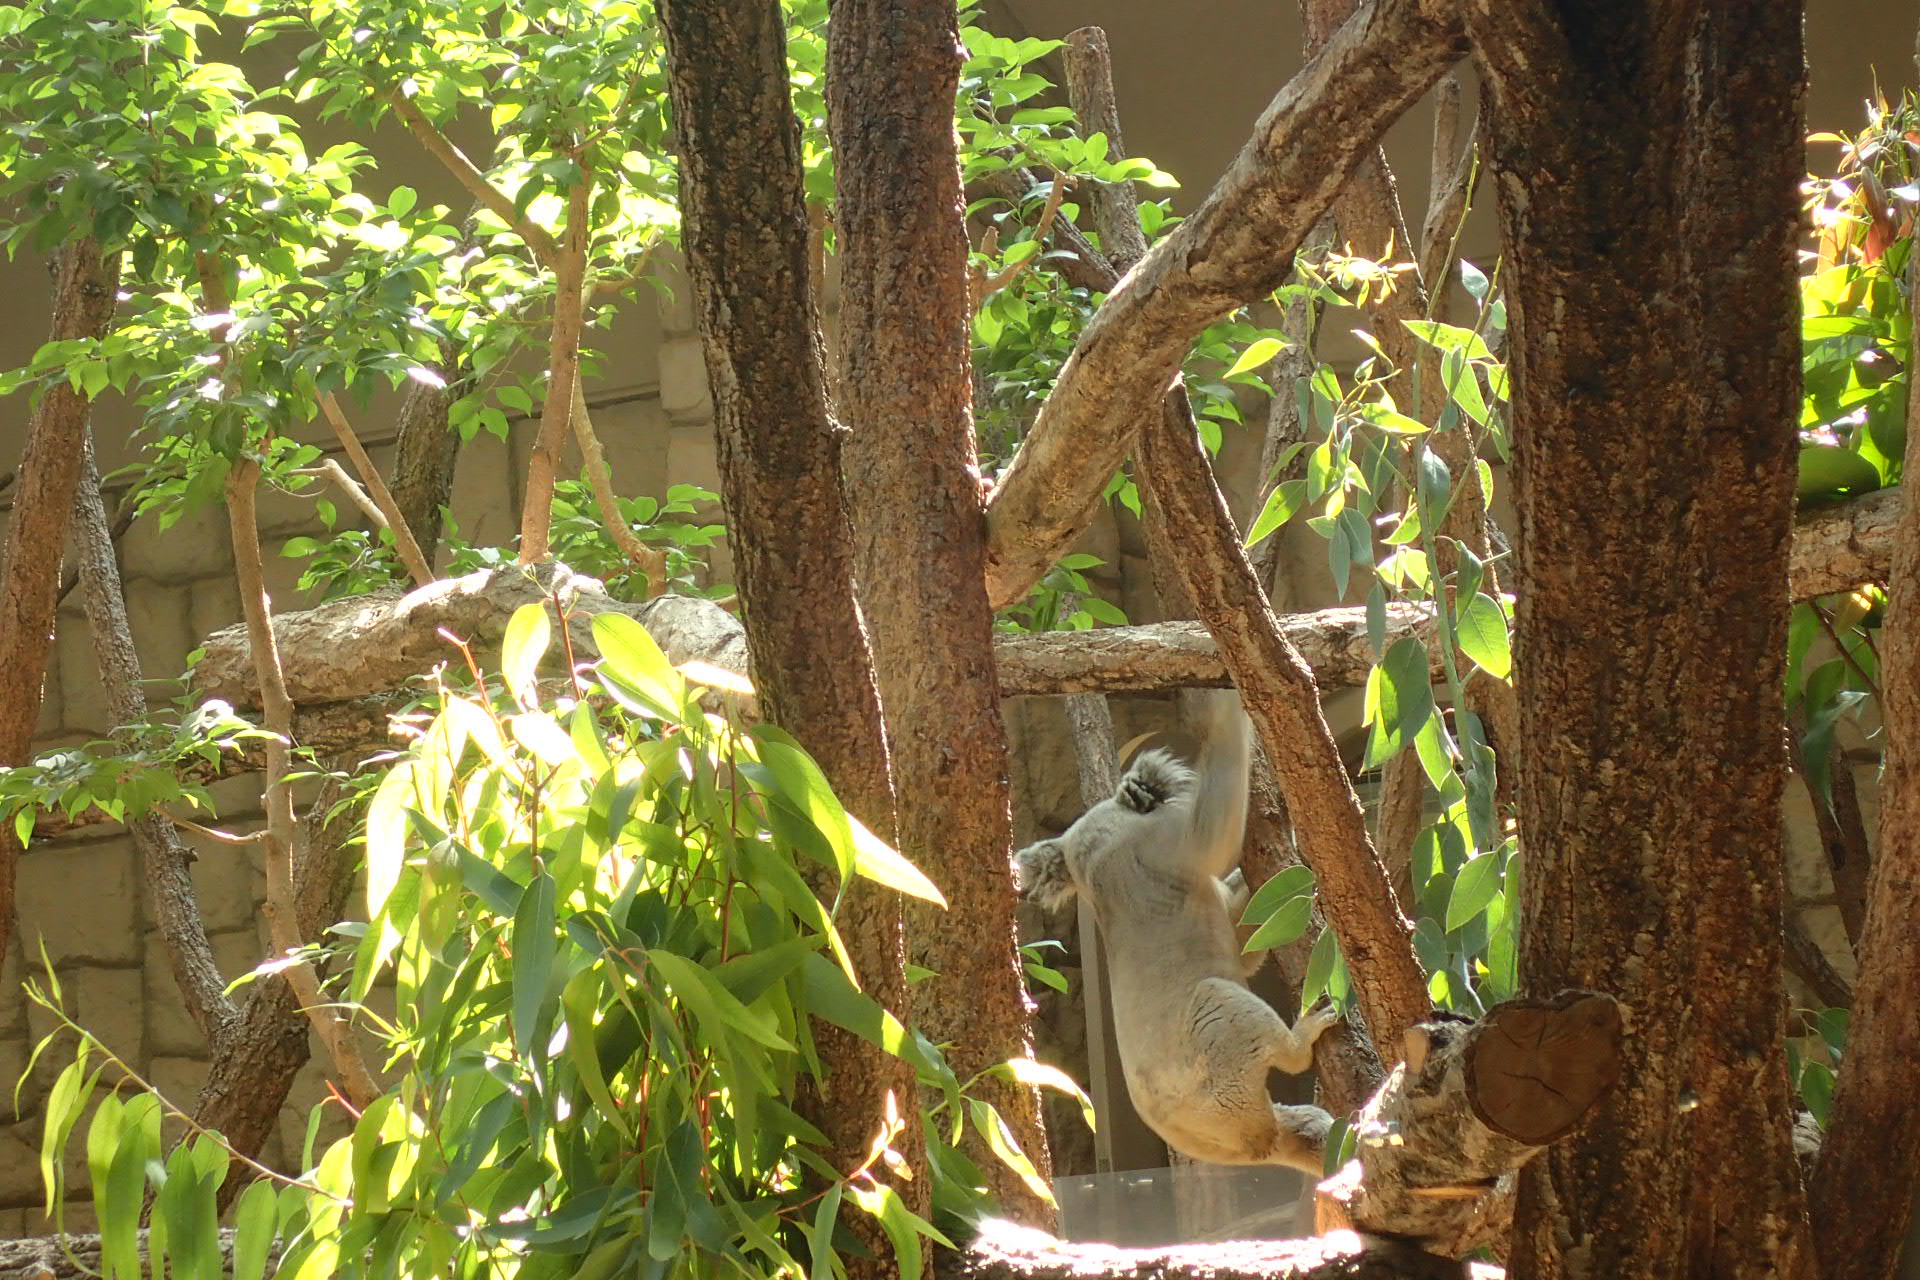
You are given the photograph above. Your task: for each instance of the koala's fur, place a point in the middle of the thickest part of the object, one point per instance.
(1195, 1044)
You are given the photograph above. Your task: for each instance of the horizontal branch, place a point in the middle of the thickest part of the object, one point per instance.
(1235, 249)
(1839, 547)
(1004, 1251)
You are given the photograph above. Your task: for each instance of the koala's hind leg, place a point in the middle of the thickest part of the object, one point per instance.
(1300, 1138)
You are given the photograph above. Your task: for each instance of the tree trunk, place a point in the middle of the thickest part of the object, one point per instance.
(906, 390)
(1863, 1187)
(426, 451)
(745, 230)
(49, 473)
(1648, 157)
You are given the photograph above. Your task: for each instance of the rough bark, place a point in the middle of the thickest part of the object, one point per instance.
(1237, 247)
(1864, 1181)
(1280, 695)
(906, 391)
(46, 479)
(745, 231)
(164, 859)
(1647, 158)
(1838, 547)
(1437, 1147)
(426, 452)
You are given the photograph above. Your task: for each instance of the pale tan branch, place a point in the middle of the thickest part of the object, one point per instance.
(469, 176)
(382, 509)
(281, 909)
(652, 563)
(563, 371)
(980, 285)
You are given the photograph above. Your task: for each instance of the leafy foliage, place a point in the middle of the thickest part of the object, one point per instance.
(608, 956)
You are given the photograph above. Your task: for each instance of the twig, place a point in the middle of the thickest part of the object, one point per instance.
(471, 178)
(650, 562)
(980, 285)
(386, 510)
(213, 833)
(563, 370)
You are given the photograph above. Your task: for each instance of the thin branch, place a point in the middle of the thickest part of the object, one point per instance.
(384, 509)
(281, 909)
(563, 370)
(651, 562)
(980, 285)
(214, 833)
(469, 176)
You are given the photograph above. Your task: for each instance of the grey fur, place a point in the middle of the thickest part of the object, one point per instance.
(1157, 863)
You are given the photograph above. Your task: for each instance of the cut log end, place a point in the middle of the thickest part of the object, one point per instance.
(1537, 1067)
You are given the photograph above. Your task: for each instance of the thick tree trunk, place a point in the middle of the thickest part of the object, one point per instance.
(1647, 157)
(45, 482)
(906, 390)
(745, 230)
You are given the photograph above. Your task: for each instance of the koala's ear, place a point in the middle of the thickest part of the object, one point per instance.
(1041, 872)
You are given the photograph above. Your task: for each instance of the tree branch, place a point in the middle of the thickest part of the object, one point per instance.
(281, 907)
(384, 510)
(49, 474)
(1236, 248)
(164, 860)
(1279, 690)
(469, 176)
(563, 371)
(652, 563)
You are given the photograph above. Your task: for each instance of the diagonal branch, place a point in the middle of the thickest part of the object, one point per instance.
(1284, 702)
(386, 510)
(469, 176)
(1236, 248)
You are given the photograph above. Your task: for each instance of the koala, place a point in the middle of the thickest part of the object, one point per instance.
(1156, 862)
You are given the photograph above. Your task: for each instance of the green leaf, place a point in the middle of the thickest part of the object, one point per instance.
(880, 862)
(1288, 882)
(1287, 923)
(1828, 471)
(525, 643)
(1482, 635)
(712, 1003)
(1473, 888)
(633, 658)
(535, 945)
(401, 202)
(1400, 689)
(1286, 499)
(65, 1101)
(254, 1221)
(989, 1124)
(1257, 354)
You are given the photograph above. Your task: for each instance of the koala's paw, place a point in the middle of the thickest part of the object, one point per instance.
(1314, 1022)
(1040, 871)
